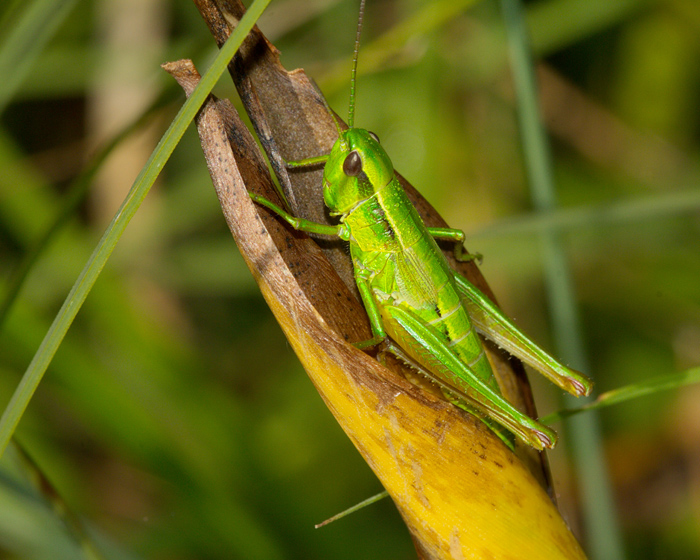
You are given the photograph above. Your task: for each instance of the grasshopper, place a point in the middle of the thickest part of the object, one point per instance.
(419, 308)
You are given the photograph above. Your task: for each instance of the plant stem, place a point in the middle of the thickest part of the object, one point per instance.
(602, 528)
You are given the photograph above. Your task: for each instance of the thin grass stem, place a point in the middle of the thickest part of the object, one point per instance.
(139, 190)
(602, 528)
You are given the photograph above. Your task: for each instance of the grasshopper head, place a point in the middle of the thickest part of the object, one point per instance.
(357, 167)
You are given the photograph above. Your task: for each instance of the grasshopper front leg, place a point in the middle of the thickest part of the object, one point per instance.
(298, 223)
(378, 333)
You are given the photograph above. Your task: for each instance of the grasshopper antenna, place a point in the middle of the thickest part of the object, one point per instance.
(353, 78)
(353, 75)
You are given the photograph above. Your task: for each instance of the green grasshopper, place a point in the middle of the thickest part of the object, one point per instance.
(423, 311)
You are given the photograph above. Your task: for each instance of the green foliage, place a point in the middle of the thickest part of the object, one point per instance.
(174, 416)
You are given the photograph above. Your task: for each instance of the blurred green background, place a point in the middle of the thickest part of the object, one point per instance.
(176, 421)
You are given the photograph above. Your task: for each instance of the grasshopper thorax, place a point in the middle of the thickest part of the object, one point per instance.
(356, 169)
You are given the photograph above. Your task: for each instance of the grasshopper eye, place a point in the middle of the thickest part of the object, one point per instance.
(352, 166)
(374, 137)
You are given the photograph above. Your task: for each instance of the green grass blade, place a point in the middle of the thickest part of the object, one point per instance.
(616, 396)
(77, 192)
(563, 22)
(364, 503)
(653, 206)
(604, 536)
(630, 392)
(76, 297)
(27, 482)
(28, 37)
(375, 55)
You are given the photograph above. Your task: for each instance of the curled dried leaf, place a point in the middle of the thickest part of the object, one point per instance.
(461, 492)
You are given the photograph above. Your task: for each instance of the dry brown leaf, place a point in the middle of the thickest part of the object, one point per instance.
(461, 492)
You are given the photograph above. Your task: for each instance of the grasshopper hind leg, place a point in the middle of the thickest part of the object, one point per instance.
(447, 369)
(390, 347)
